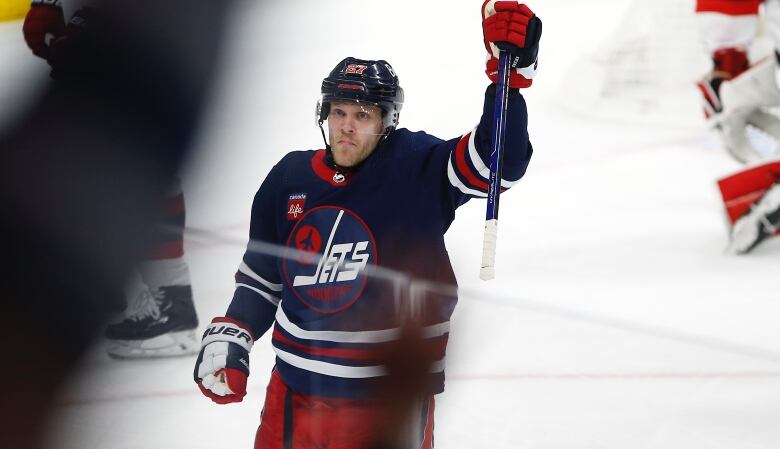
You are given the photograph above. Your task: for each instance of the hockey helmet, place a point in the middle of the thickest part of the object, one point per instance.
(363, 81)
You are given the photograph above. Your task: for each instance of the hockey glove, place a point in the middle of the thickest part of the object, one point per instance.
(511, 26)
(43, 23)
(222, 367)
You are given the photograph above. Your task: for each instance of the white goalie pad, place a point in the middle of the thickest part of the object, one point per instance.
(744, 100)
(755, 88)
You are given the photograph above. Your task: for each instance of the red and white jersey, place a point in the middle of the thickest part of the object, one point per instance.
(733, 23)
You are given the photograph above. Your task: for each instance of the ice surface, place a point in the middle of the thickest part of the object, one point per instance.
(616, 321)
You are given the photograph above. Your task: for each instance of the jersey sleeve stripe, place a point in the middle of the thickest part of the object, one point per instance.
(472, 169)
(479, 165)
(269, 297)
(456, 182)
(244, 268)
(462, 167)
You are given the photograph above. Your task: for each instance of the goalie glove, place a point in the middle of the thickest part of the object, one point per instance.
(222, 367)
(513, 27)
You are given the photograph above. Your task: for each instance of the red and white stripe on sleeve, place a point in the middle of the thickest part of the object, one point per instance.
(466, 170)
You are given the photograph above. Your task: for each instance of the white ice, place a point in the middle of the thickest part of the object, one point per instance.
(616, 320)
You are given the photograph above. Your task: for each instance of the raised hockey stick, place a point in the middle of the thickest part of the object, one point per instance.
(488, 269)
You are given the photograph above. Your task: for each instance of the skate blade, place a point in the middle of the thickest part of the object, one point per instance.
(172, 344)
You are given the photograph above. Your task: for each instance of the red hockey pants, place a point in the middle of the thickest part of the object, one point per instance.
(294, 421)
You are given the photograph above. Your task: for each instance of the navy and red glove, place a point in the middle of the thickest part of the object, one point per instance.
(513, 27)
(222, 367)
(42, 24)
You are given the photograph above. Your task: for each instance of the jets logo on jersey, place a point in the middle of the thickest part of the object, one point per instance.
(295, 206)
(334, 246)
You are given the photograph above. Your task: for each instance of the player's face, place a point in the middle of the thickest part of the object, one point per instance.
(354, 130)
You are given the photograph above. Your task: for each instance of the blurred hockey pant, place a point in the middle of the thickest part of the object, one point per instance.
(292, 420)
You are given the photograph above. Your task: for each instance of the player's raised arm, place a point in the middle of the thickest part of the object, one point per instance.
(515, 27)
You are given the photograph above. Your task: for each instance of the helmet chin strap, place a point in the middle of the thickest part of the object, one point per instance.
(324, 139)
(329, 152)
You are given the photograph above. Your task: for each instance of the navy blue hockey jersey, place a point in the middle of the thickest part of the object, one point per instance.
(330, 319)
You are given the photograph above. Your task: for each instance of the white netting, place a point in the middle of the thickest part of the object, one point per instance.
(648, 68)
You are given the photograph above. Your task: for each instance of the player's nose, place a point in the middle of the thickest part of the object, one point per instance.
(348, 126)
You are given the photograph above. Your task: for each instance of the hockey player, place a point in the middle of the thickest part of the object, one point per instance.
(737, 94)
(160, 318)
(376, 195)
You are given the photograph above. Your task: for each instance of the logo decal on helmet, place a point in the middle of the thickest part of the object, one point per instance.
(341, 246)
(357, 69)
(351, 86)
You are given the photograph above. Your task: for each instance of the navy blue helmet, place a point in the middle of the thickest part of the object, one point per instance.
(363, 81)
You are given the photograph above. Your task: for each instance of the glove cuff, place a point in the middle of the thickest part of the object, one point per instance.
(228, 330)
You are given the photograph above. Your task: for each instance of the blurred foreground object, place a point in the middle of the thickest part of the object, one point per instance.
(82, 175)
(159, 318)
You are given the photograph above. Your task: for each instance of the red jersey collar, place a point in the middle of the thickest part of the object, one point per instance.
(332, 175)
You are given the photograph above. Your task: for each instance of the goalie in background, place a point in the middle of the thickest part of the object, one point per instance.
(737, 95)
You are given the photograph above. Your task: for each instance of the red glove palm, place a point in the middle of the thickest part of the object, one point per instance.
(43, 23)
(515, 28)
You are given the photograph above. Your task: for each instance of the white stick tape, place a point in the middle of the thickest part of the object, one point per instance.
(488, 270)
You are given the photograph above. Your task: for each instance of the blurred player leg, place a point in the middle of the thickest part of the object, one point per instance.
(160, 319)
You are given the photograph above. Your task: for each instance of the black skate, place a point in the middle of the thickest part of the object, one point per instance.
(158, 323)
(758, 223)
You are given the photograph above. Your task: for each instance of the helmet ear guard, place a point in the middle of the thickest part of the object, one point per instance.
(321, 112)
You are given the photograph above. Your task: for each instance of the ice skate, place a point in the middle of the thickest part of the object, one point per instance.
(159, 322)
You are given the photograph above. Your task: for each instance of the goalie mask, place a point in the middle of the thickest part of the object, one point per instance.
(363, 81)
